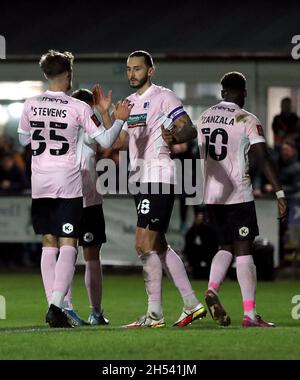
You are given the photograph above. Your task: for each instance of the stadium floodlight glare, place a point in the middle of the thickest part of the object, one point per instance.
(15, 109)
(20, 90)
(2, 47)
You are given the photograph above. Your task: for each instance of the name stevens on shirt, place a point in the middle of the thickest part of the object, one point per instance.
(217, 120)
(44, 111)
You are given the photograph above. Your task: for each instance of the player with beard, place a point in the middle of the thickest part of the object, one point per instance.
(155, 109)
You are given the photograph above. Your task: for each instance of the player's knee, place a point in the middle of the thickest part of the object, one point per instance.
(91, 253)
(139, 247)
(142, 246)
(50, 241)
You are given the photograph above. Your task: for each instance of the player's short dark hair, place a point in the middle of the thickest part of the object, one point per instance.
(233, 81)
(54, 63)
(83, 94)
(142, 53)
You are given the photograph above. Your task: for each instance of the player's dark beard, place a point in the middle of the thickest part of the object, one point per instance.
(140, 83)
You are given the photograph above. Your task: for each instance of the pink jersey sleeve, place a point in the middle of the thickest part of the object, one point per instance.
(24, 123)
(89, 121)
(172, 105)
(254, 130)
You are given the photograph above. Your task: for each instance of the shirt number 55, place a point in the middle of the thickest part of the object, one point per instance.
(53, 135)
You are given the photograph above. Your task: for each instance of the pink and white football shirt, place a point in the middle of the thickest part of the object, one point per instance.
(91, 197)
(225, 133)
(156, 106)
(54, 121)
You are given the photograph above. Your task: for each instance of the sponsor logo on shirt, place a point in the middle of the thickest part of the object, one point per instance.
(260, 130)
(56, 100)
(138, 120)
(67, 228)
(223, 108)
(95, 120)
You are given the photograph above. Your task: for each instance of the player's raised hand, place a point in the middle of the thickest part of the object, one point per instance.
(102, 101)
(167, 135)
(122, 109)
(283, 209)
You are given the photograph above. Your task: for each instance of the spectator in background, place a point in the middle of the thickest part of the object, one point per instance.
(12, 178)
(7, 146)
(286, 124)
(289, 169)
(26, 155)
(12, 181)
(289, 174)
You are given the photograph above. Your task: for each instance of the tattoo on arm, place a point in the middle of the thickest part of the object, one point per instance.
(184, 130)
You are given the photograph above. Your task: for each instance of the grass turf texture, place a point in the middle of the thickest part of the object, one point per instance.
(24, 334)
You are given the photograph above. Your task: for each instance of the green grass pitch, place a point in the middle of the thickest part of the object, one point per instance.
(24, 334)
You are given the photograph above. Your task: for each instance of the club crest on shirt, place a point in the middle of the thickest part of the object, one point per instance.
(146, 105)
(138, 120)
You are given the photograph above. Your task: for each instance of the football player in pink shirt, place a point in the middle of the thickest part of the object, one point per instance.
(226, 134)
(92, 228)
(153, 186)
(53, 123)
